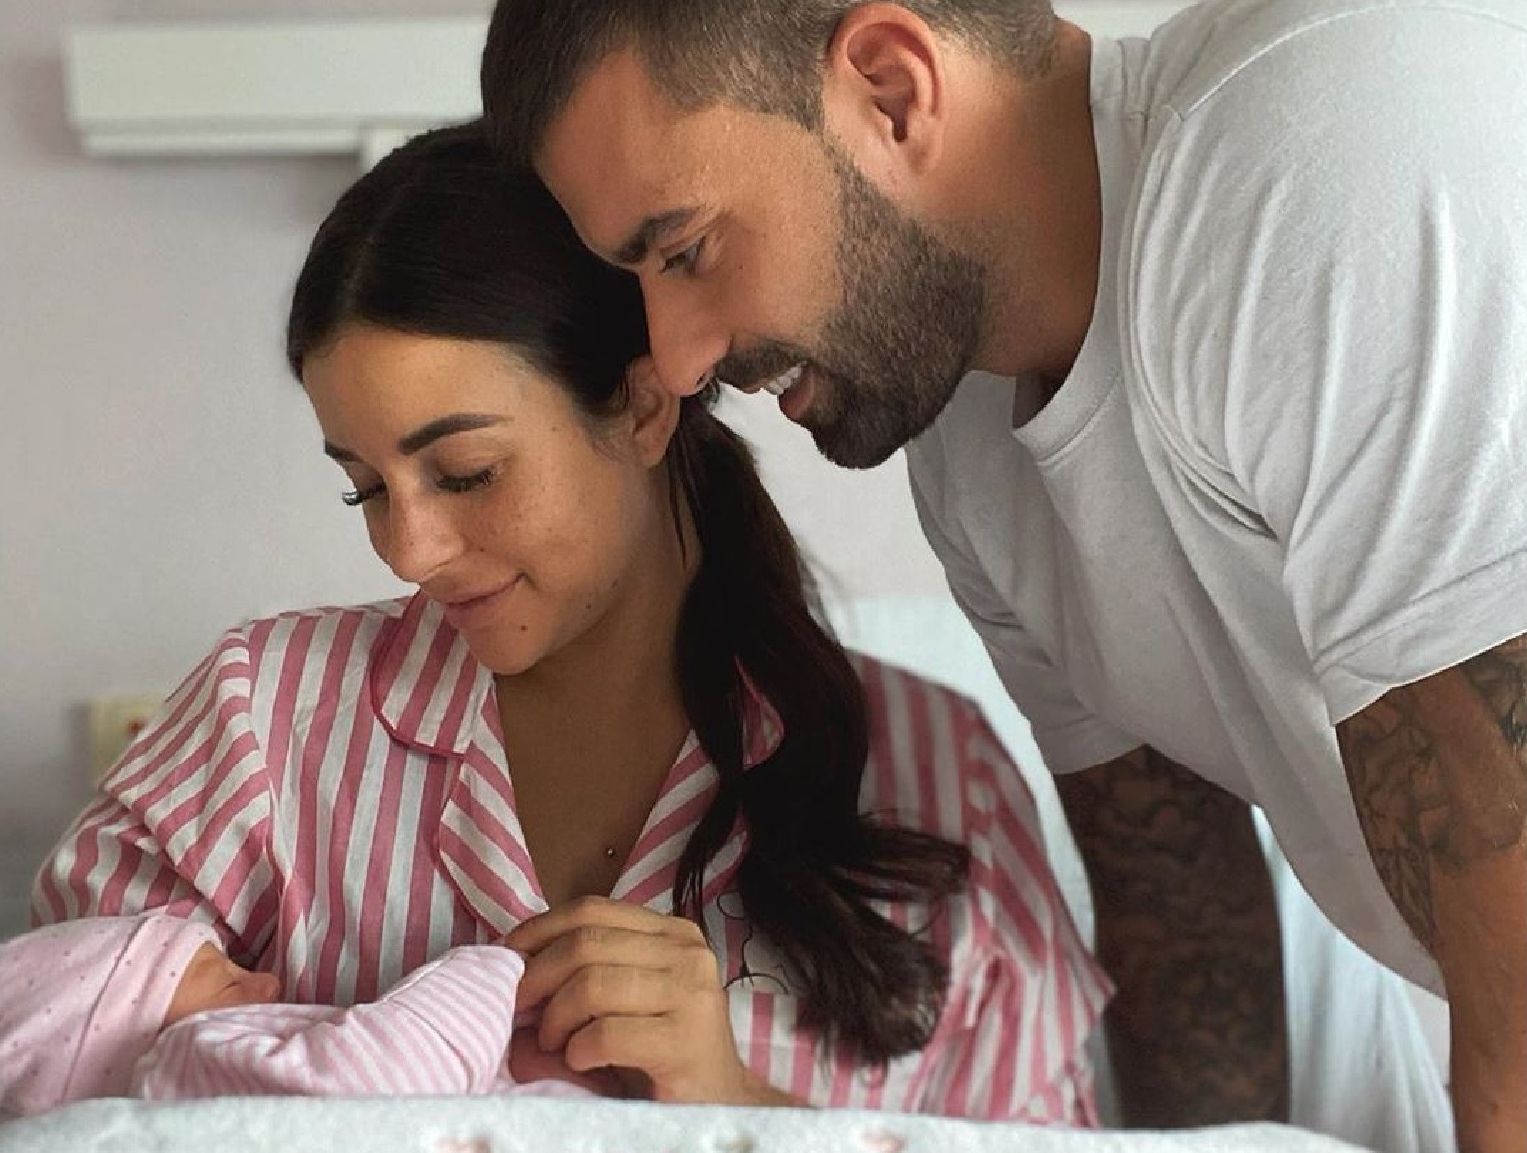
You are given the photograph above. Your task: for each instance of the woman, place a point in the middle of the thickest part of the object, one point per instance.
(607, 728)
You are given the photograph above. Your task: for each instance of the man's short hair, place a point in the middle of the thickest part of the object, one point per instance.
(765, 55)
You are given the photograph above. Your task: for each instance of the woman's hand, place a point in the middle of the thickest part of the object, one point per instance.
(635, 990)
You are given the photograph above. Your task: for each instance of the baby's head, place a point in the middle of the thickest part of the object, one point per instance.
(116, 981)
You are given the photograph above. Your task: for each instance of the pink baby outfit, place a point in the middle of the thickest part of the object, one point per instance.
(85, 1002)
(81, 1001)
(443, 1030)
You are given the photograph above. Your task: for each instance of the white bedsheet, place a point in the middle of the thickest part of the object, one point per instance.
(534, 1125)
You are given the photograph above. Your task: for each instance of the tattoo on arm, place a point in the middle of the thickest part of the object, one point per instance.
(1438, 772)
(1188, 929)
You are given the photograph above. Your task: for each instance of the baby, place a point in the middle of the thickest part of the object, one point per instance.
(151, 1006)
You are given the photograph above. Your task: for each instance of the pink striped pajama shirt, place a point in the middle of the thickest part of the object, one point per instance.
(330, 790)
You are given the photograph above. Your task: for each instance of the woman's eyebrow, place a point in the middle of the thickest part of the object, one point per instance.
(446, 426)
(423, 437)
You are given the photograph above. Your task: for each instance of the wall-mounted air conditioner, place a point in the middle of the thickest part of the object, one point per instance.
(351, 86)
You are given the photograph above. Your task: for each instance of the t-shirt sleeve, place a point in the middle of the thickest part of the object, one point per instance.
(1030, 994)
(1330, 287)
(182, 822)
(1068, 735)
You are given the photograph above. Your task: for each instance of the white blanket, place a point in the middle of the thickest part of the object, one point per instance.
(536, 1125)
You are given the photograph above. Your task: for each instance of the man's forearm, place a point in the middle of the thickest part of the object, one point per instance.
(1196, 1034)
(1188, 929)
(1489, 1004)
(1438, 771)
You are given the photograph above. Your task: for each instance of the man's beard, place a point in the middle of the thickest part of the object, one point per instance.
(892, 353)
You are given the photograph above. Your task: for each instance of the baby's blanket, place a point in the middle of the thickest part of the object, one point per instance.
(538, 1125)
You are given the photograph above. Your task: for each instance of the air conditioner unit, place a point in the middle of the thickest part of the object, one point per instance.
(352, 86)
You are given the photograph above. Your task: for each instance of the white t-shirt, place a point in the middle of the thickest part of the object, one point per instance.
(1288, 471)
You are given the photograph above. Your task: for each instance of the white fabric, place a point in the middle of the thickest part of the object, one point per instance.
(1286, 472)
(1361, 1069)
(1359, 1066)
(528, 1125)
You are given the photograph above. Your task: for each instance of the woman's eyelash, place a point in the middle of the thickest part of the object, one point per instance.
(454, 484)
(359, 496)
(467, 483)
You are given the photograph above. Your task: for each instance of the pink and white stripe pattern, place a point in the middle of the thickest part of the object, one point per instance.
(330, 789)
(443, 1030)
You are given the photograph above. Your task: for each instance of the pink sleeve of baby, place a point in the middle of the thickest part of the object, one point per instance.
(81, 1001)
(444, 1029)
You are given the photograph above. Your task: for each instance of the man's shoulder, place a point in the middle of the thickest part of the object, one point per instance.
(1305, 150)
(1213, 53)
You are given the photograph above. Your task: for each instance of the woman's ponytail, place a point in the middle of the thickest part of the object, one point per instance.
(814, 862)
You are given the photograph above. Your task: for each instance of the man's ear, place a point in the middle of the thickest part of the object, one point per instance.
(652, 410)
(884, 89)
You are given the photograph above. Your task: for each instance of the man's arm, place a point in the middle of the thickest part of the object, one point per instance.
(1438, 771)
(1187, 927)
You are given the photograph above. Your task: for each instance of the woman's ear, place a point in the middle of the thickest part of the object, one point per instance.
(652, 410)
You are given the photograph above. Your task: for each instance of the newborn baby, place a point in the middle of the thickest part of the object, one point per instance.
(151, 1006)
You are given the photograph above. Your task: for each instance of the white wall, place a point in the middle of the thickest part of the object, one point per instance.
(160, 477)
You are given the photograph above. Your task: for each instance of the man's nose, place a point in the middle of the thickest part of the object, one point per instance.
(687, 341)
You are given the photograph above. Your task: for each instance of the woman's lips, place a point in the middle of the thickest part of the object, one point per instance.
(465, 613)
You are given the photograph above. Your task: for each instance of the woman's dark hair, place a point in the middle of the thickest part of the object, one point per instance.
(441, 240)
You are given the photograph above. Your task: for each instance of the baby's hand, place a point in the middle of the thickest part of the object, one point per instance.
(212, 981)
(528, 1062)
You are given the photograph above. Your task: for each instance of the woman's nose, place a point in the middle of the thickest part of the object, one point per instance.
(418, 540)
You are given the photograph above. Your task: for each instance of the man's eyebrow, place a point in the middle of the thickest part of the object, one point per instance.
(650, 231)
(424, 437)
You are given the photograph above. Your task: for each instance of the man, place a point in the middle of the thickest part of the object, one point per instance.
(1241, 509)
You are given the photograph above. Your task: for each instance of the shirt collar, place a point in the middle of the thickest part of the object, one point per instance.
(426, 687)
(762, 728)
(430, 692)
